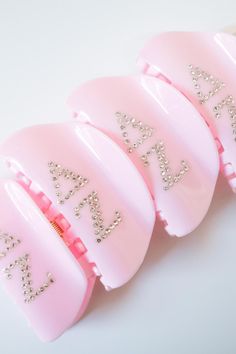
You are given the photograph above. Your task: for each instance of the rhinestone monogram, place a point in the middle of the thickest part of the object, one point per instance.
(101, 232)
(145, 131)
(229, 103)
(10, 242)
(168, 178)
(217, 85)
(23, 263)
(28, 291)
(58, 172)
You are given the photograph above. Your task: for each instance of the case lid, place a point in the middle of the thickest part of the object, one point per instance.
(164, 136)
(202, 66)
(37, 269)
(93, 184)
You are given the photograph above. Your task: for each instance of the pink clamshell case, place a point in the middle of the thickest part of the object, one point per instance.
(165, 138)
(202, 67)
(77, 210)
(87, 192)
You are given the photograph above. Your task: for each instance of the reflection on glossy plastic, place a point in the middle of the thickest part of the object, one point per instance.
(204, 72)
(163, 135)
(71, 178)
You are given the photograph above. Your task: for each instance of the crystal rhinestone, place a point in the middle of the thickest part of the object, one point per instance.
(10, 241)
(136, 124)
(29, 293)
(93, 202)
(231, 109)
(216, 85)
(61, 173)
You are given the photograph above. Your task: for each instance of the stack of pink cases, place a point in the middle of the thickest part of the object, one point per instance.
(87, 192)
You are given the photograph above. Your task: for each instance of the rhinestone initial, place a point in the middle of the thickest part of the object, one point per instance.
(28, 291)
(168, 177)
(146, 132)
(23, 263)
(101, 232)
(217, 85)
(58, 172)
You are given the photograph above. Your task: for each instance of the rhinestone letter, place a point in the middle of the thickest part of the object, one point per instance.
(59, 172)
(227, 102)
(199, 74)
(168, 178)
(101, 232)
(29, 293)
(217, 85)
(124, 122)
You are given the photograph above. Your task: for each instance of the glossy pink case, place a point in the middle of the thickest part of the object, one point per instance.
(71, 183)
(52, 287)
(87, 192)
(202, 66)
(128, 108)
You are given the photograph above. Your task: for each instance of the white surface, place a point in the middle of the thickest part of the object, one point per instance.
(183, 298)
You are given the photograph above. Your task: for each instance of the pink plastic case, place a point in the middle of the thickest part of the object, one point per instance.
(202, 66)
(87, 192)
(165, 138)
(72, 194)
(39, 272)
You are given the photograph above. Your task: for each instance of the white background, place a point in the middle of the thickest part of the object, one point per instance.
(183, 298)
